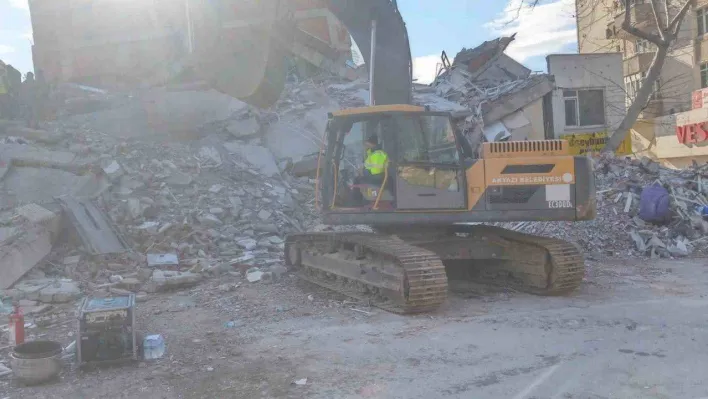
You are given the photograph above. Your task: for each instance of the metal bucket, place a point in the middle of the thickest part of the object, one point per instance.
(36, 362)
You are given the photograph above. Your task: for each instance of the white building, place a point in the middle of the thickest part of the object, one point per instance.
(588, 102)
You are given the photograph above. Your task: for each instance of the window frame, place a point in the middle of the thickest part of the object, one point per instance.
(568, 96)
(704, 74)
(702, 21)
(426, 141)
(632, 85)
(642, 46)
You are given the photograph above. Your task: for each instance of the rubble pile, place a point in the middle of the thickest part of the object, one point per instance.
(185, 209)
(618, 228)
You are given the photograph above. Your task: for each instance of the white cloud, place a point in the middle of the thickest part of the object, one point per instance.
(545, 29)
(6, 49)
(23, 4)
(424, 68)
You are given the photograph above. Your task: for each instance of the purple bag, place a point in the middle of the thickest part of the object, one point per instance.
(654, 204)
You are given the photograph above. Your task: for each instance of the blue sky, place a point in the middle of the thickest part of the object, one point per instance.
(433, 26)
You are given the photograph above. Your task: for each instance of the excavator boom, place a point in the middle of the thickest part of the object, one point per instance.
(240, 47)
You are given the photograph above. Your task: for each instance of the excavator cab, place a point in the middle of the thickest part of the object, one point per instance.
(423, 171)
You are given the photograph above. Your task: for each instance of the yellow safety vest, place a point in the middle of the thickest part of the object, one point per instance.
(375, 161)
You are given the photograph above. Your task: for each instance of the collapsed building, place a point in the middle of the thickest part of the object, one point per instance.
(137, 44)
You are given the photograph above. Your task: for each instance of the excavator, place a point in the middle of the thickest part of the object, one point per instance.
(430, 213)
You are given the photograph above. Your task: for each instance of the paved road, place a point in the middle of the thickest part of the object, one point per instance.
(632, 332)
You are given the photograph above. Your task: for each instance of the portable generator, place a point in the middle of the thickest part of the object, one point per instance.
(106, 330)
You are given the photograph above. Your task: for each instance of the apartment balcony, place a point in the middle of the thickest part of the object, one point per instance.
(638, 63)
(641, 17)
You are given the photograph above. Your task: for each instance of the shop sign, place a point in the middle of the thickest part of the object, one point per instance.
(582, 143)
(693, 133)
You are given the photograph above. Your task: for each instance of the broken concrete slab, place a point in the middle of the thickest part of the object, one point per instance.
(257, 156)
(94, 227)
(41, 185)
(29, 156)
(305, 167)
(20, 251)
(47, 290)
(210, 220)
(179, 179)
(61, 291)
(264, 214)
(638, 241)
(23, 248)
(41, 136)
(162, 280)
(160, 111)
(210, 154)
(157, 260)
(113, 170)
(244, 128)
(290, 137)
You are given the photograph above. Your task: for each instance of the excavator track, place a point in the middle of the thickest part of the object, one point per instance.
(529, 263)
(384, 271)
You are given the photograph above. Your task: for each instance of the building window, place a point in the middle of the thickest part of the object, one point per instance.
(643, 46)
(584, 107)
(704, 75)
(633, 83)
(702, 20)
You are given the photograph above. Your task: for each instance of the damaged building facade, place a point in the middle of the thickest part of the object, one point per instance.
(580, 99)
(111, 43)
(588, 102)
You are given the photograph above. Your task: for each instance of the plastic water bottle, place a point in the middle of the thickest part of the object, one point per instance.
(153, 347)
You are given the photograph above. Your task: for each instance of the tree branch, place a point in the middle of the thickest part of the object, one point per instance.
(659, 20)
(675, 24)
(627, 26)
(531, 4)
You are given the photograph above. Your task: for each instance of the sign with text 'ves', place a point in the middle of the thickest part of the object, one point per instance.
(693, 133)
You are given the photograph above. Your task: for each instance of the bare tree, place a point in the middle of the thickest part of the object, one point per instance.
(666, 33)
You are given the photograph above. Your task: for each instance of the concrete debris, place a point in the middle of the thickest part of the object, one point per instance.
(163, 280)
(261, 157)
(683, 233)
(244, 128)
(113, 170)
(95, 228)
(254, 275)
(46, 290)
(179, 179)
(158, 260)
(210, 154)
(210, 220)
(638, 241)
(27, 243)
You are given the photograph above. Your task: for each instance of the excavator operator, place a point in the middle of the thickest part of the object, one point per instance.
(375, 162)
(372, 172)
